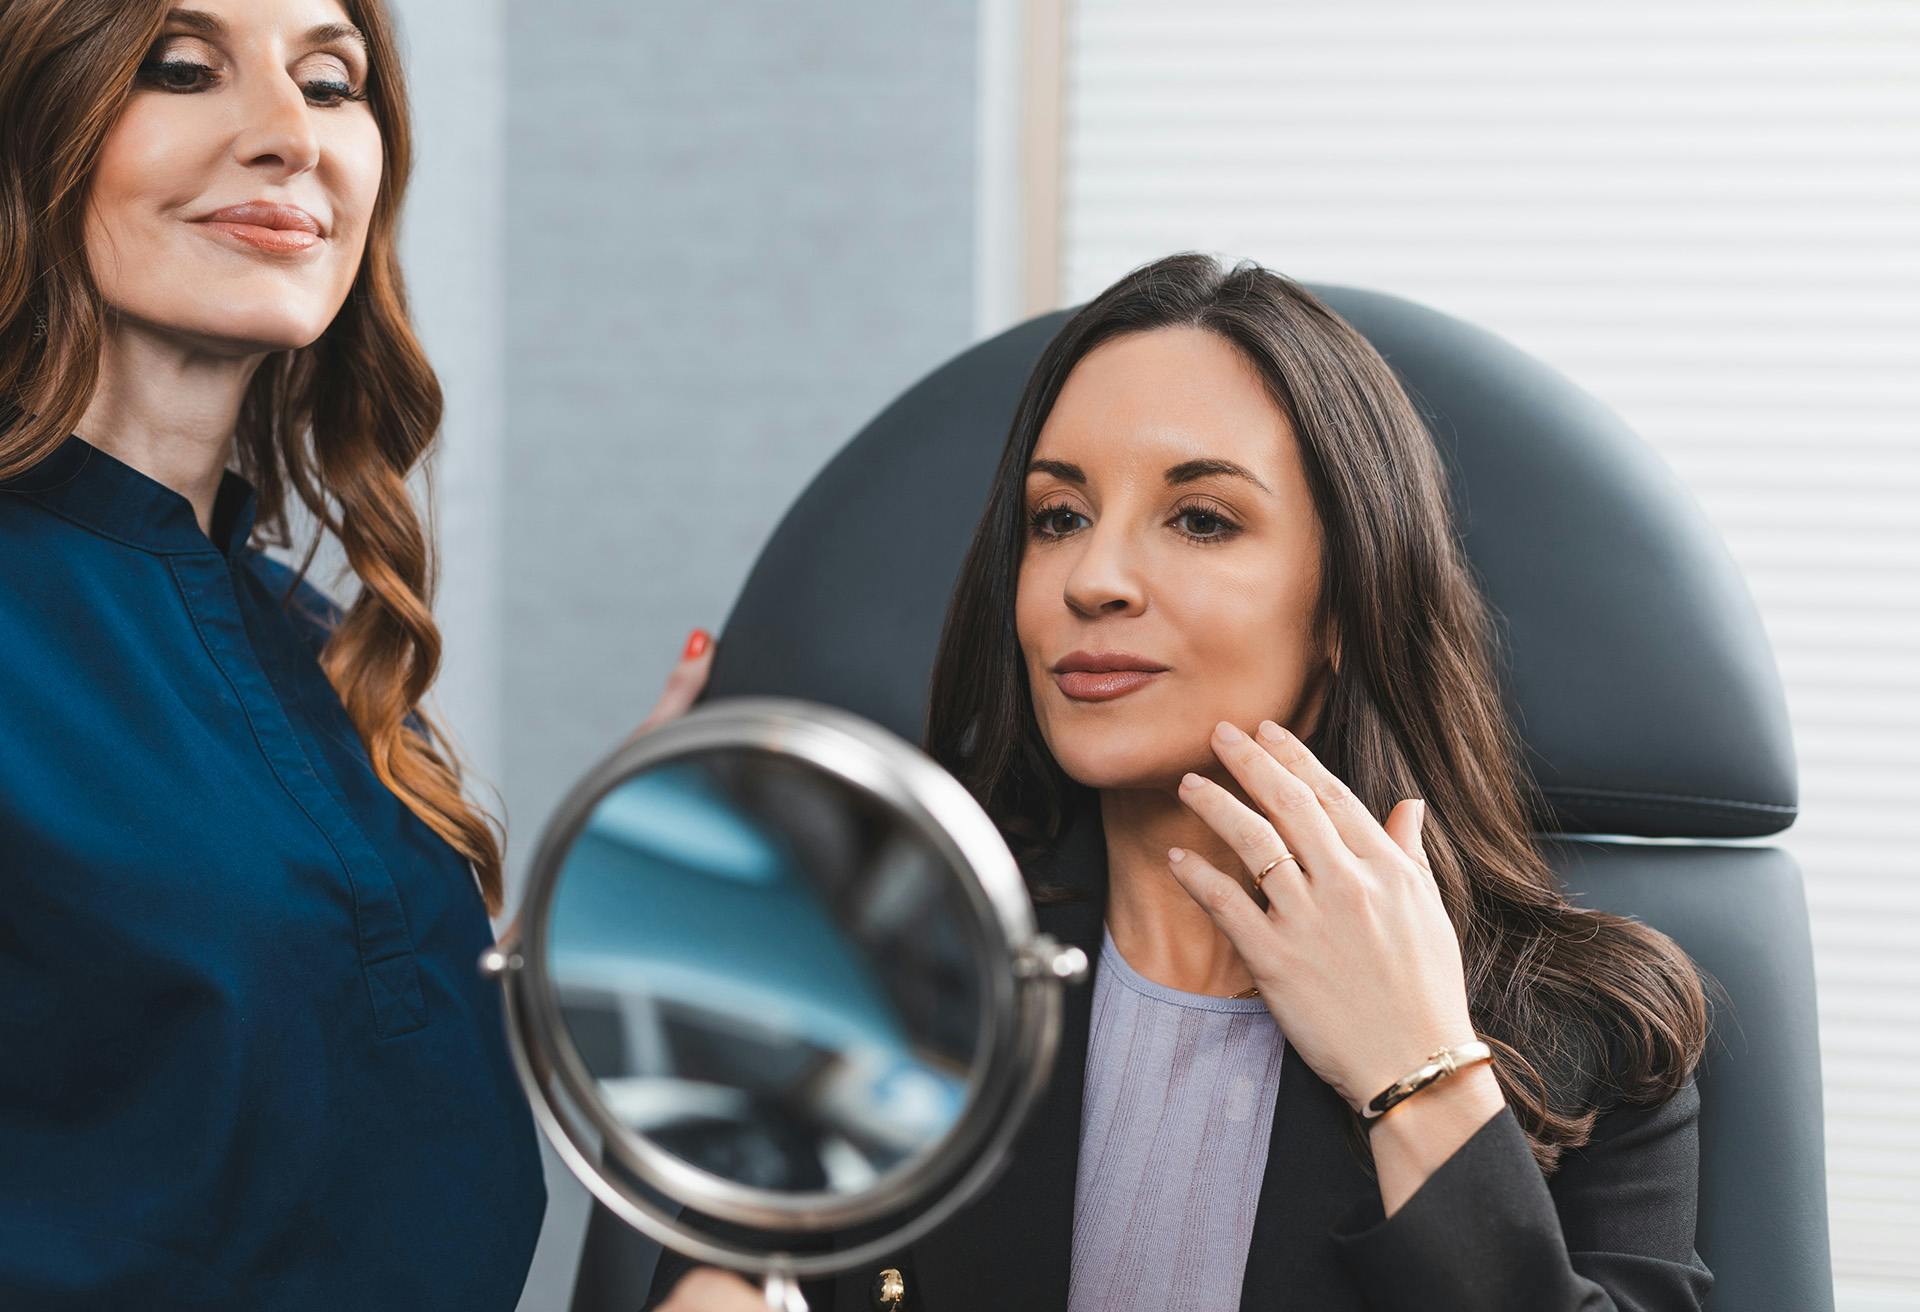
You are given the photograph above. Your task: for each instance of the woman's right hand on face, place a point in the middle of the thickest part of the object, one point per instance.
(709, 1289)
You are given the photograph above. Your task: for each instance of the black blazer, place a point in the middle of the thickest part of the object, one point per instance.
(1487, 1232)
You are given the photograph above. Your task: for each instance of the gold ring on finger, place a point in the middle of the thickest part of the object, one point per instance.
(1267, 869)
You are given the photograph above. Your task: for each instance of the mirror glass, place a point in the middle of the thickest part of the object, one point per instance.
(768, 972)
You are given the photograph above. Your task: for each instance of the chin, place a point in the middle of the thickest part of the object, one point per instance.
(226, 302)
(1121, 753)
(270, 326)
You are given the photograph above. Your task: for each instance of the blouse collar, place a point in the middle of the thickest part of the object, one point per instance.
(83, 483)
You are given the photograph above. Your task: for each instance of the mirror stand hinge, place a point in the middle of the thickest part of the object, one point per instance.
(496, 961)
(1045, 958)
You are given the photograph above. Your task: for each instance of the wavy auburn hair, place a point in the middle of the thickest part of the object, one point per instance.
(1581, 1007)
(338, 424)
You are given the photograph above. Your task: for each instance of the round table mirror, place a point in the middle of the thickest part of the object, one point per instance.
(776, 969)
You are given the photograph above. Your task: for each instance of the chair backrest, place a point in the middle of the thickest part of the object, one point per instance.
(1637, 669)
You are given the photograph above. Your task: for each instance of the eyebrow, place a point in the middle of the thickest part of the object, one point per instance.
(1187, 471)
(199, 20)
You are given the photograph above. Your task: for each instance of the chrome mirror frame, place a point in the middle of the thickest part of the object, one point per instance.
(1024, 972)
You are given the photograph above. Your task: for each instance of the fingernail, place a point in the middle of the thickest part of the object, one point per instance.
(1176, 854)
(1190, 780)
(1230, 732)
(1420, 816)
(697, 642)
(1272, 732)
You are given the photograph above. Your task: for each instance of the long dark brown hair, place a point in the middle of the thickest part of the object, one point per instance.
(338, 424)
(1580, 1007)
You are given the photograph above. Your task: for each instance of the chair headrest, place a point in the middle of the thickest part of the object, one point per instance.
(1634, 661)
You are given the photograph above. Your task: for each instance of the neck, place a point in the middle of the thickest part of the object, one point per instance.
(169, 410)
(1161, 931)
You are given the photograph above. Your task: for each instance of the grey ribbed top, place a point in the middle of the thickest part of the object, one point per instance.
(1179, 1103)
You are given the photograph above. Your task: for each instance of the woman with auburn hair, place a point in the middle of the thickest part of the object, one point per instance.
(249, 1061)
(1217, 666)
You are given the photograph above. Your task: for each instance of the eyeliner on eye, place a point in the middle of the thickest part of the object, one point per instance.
(157, 72)
(341, 91)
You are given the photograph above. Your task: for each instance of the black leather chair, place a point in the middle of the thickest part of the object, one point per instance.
(1640, 676)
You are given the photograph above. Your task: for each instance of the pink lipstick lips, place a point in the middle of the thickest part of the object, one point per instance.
(1100, 676)
(266, 226)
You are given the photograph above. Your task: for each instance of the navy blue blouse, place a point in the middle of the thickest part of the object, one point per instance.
(246, 1057)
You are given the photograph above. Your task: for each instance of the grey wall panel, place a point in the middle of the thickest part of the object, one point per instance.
(733, 233)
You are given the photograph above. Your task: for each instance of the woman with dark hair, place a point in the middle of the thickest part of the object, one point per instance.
(246, 1057)
(1214, 621)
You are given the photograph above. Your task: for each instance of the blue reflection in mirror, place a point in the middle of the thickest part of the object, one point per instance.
(761, 966)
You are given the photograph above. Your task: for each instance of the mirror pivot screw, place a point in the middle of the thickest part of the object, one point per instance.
(1069, 963)
(494, 962)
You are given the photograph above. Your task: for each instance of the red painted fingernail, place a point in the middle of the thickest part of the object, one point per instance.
(697, 642)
